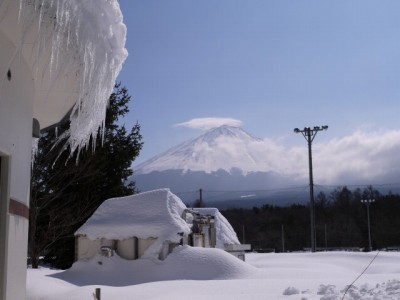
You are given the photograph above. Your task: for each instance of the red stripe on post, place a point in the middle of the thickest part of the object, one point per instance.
(19, 209)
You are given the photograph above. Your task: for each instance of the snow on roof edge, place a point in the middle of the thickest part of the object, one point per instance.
(149, 214)
(92, 33)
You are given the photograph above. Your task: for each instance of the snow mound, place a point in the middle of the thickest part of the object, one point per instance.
(386, 290)
(291, 291)
(208, 263)
(185, 263)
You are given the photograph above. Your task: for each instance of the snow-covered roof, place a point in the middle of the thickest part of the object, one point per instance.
(156, 214)
(74, 50)
(224, 231)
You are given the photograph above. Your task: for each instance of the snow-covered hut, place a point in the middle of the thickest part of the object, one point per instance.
(148, 224)
(58, 59)
(151, 224)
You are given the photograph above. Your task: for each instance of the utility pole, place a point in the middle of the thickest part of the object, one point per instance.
(368, 203)
(309, 134)
(283, 239)
(201, 197)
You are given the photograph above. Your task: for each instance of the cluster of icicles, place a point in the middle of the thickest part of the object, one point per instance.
(90, 32)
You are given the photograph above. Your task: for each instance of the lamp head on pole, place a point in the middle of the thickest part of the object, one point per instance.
(367, 201)
(311, 129)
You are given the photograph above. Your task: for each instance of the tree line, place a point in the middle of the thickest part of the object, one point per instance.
(340, 218)
(66, 188)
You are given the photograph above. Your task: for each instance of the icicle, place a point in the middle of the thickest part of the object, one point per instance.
(35, 148)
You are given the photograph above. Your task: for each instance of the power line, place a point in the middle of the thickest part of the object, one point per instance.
(245, 191)
(359, 185)
(351, 284)
(213, 194)
(284, 189)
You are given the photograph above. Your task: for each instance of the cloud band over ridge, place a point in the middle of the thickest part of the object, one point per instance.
(208, 123)
(362, 157)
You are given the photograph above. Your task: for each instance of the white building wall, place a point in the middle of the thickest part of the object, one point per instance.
(87, 248)
(144, 244)
(17, 258)
(127, 248)
(16, 111)
(16, 115)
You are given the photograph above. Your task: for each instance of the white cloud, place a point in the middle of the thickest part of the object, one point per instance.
(208, 123)
(362, 157)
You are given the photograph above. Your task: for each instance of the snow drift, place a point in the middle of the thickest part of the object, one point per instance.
(318, 276)
(185, 263)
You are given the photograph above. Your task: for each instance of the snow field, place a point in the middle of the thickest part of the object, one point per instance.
(199, 273)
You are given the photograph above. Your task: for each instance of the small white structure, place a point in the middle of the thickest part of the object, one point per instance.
(58, 59)
(212, 230)
(150, 225)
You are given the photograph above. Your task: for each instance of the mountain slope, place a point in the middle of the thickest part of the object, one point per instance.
(223, 148)
(227, 163)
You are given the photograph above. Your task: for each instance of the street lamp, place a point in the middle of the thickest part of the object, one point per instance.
(309, 134)
(368, 203)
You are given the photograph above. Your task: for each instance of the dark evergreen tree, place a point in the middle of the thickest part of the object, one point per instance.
(341, 222)
(67, 188)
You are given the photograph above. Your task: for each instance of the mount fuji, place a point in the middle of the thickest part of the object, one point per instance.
(223, 148)
(227, 163)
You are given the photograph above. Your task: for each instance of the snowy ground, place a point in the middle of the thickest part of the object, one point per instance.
(199, 273)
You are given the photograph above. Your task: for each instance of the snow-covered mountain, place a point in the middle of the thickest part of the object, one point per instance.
(223, 148)
(227, 163)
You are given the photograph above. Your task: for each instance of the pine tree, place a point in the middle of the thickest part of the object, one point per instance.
(67, 188)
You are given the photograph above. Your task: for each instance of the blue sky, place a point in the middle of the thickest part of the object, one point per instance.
(268, 66)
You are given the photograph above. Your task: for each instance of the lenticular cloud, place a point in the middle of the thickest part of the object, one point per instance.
(209, 123)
